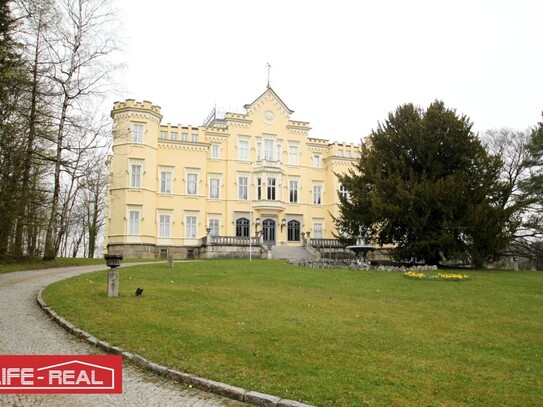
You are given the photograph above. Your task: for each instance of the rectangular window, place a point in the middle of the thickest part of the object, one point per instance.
(164, 222)
(190, 223)
(194, 137)
(184, 136)
(340, 153)
(279, 152)
(214, 185)
(271, 189)
(243, 150)
(293, 191)
(258, 151)
(343, 192)
(214, 226)
(259, 189)
(317, 194)
(293, 155)
(348, 153)
(243, 186)
(134, 222)
(316, 160)
(192, 184)
(137, 133)
(165, 182)
(317, 230)
(214, 151)
(136, 170)
(163, 135)
(173, 135)
(268, 149)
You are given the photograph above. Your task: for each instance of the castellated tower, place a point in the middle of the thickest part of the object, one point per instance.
(132, 171)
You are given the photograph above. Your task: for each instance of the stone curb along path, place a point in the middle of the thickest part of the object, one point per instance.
(236, 393)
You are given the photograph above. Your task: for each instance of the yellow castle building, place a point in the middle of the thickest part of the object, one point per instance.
(241, 184)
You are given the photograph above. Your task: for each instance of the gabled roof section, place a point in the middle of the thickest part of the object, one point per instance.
(269, 91)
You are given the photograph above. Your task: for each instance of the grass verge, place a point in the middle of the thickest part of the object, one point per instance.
(326, 337)
(37, 263)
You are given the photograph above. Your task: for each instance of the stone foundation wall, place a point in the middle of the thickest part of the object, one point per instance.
(232, 252)
(148, 251)
(133, 251)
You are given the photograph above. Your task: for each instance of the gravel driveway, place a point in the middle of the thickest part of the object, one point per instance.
(26, 329)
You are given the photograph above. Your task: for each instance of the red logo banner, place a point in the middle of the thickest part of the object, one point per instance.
(76, 374)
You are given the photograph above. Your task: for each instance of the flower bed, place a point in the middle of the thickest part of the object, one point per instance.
(355, 265)
(417, 275)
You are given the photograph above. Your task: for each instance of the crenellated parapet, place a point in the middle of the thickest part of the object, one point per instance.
(133, 104)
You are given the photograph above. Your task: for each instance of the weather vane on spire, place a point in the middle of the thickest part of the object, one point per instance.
(269, 69)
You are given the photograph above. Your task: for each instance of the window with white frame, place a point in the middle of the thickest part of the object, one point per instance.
(137, 133)
(215, 151)
(317, 194)
(318, 230)
(173, 135)
(316, 160)
(243, 187)
(270, 188)
(243, 150)
(214, 226)
(269, 146)
(293, 191)
(134, 220)
(279, 151)
(340, 153)
(343, 191)
(166, 177)
(164, 225)
(348, 153)
(259, 188)
(214, 187)
(163, 135)
(190, 226)
(293, 155)
(258, 150)
(192, 183)
(194, 137)
(184, 137)
(136, 173)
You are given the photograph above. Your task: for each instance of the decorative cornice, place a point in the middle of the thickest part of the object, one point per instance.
(133, 114)
(220, 138)
(188, 146)
(316, 148)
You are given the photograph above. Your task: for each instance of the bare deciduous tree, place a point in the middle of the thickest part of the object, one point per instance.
(81, 49)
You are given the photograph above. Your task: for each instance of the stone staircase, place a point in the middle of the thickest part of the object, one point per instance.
(290, 253)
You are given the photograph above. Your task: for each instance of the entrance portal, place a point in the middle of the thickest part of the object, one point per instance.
(268, 231)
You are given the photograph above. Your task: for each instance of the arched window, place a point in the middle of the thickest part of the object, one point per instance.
(293, 231)
(242, 227)
(268, 231)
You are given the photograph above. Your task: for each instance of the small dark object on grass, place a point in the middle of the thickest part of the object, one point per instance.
(139, 291)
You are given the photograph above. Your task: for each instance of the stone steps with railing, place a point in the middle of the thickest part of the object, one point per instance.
(290, 253)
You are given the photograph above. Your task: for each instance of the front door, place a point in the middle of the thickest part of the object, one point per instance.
(268, 231)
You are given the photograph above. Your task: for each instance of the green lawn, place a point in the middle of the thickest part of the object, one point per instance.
(326, 337)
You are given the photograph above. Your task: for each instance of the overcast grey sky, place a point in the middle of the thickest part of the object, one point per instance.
(340, 65)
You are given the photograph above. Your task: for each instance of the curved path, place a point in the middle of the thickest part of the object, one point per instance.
(25, 329)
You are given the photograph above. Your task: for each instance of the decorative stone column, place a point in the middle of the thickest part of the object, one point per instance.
(113, 261)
